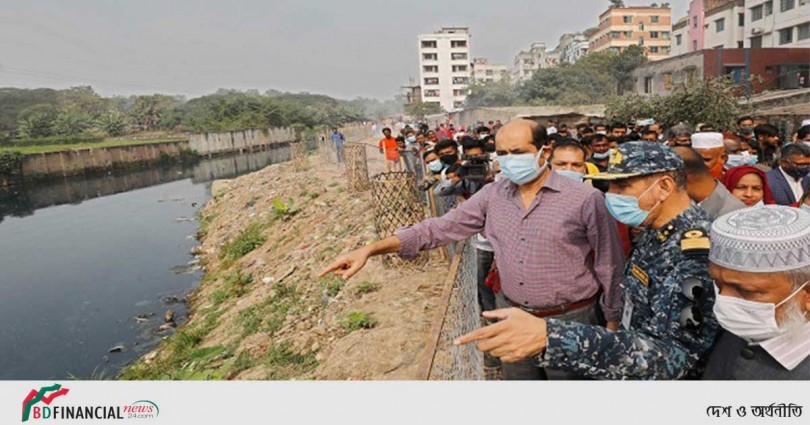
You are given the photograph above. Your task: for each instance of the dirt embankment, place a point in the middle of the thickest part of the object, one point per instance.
(262, 313)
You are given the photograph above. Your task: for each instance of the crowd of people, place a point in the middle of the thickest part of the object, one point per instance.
(621, 251)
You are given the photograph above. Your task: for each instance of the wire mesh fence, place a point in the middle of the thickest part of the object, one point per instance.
(396, 204)
(298, 151)
(460, 314)
(356, 167)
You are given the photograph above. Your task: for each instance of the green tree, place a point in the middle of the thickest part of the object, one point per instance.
(70, 122)
(37, 121)
(710, 102)
(112, 122)
(147, 111)
(422, 109)
(500, 93)
(616, 3)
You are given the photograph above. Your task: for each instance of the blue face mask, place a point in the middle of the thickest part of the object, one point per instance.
(625, 208)
(435, 165)
(571, 174)
(521, 168)
(601, 156)
(736, 160)
(411, 139)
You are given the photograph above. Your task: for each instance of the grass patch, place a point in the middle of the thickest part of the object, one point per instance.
(358, 320)
(282, 211)
(366, 287)
(250, 238)
(332, 285)
(237, 284)
(202, 231)
(286, 363)
(269, 315)
(218, 297)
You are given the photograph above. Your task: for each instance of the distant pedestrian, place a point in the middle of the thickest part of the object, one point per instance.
(388, 146)
(339, 141)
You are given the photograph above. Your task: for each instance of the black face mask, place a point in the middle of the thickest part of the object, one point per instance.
(489, 147)
(797, 172)
(449, 159)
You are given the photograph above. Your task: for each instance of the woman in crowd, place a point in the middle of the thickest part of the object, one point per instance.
(749, 185)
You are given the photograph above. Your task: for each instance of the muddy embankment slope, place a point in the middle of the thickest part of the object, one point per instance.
(261, 312)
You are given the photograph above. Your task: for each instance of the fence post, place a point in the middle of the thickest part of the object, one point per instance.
(298, 151)
(356, 167)
(396, 204)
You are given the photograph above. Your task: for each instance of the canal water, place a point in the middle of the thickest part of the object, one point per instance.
(89, 266)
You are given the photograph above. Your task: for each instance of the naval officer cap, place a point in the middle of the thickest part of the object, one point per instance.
(770, 238)
(633, 159)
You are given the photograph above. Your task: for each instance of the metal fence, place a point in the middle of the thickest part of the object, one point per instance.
(356, 167)
(458, 314)
(396, 204)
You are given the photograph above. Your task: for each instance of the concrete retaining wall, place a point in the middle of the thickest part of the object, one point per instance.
(73, 162)
(239, 141)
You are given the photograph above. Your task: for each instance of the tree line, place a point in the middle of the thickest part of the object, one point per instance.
(80, 111)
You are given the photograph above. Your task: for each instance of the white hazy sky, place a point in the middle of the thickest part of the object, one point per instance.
(343, 48)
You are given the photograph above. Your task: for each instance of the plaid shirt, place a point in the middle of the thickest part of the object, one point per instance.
(560, 250)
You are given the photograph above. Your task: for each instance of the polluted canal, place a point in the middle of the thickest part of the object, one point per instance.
(94, 270)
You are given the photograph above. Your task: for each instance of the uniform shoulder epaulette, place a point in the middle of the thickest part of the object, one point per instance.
(695, 243)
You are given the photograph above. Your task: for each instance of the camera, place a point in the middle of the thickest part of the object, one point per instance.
(474, 167)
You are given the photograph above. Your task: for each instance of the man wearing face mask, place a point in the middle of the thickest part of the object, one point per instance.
(600, 157)
(789, 181)
(760, 263)
(555, 256)
(668, 326)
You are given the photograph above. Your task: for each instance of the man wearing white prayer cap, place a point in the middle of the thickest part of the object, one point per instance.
(760, 263)
(710, 146)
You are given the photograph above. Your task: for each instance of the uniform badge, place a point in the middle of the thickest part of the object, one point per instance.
(640, 274)
(695, 243)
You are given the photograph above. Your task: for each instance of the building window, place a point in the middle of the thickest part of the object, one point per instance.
(665, 35)
(458, 93)
(458, 104)
(429, 44)
(694, 21)
(668, 80)
(678, 39)
(785, 5)
(628, 34)
(458, 56)
(431, 93)
(785, 36)
(653, 49)
(431, 81)
(756, 13)
(768, 8)
(627, 19)
(691, 73)
(694, 45)
(614, 34)
(665, 49)
(430, 56)
(740, 44)
(641, 26)
(720, 25)
(458, 43)
(459, 68)
(654, 19)
(741, 19)
(648, 84)
(641, 41)
(653, 34)
(490, 72)
(460, 80)
(756, 42)
(430, 68)
(804, 31)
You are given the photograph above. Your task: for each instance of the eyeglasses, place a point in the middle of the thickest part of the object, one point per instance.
(691, 316)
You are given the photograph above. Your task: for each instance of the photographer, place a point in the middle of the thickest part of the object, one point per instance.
(473, 173)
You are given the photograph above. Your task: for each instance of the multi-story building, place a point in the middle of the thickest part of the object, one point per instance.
(553, 58)
(526, 62)
(649, 27)
(777, 23)
(679, 40)
(444, 67)
(696, 25)
(412, 92)
(724, 24)
(777, 69)
(486, 72)
(572, 47)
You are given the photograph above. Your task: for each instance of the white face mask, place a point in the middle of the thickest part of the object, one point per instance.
(750, 320)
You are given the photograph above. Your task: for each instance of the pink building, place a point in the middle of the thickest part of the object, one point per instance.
(696, 18)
